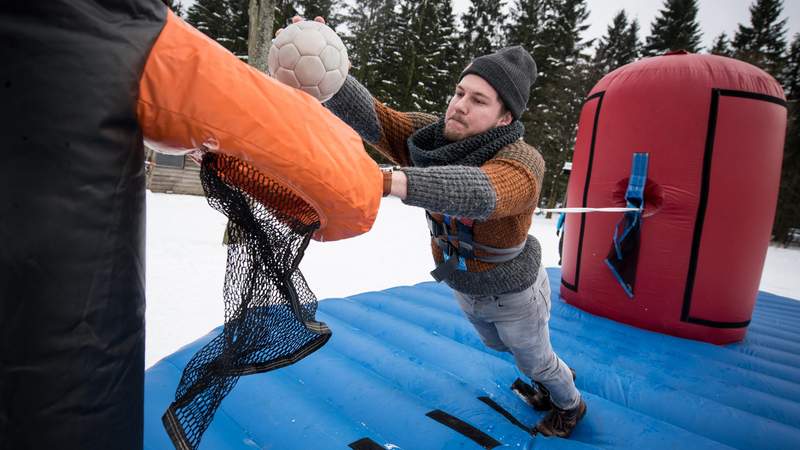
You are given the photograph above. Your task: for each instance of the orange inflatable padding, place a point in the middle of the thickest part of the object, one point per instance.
(193, 91)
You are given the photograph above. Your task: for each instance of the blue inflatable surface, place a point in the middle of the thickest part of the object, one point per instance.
(400, 358)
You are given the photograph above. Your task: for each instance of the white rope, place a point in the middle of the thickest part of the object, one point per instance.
(584, 210)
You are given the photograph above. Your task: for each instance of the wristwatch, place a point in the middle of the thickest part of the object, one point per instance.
(387, 170)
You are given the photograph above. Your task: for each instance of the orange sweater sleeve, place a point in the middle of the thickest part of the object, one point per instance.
(193, 91)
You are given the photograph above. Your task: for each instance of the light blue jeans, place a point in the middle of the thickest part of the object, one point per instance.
(518, 323)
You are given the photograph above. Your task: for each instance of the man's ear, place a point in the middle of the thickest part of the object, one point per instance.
(505, 119)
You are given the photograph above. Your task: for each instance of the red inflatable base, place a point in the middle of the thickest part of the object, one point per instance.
(714, 130)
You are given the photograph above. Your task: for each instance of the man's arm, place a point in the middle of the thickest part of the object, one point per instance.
(383, 127)
(507, 185)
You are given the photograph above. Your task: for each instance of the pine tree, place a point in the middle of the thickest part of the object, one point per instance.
(448, 62)
(482, 28)
(526, 28)
(239, 27)
(423, 35)
(791, 71)
(561, 40)
(619, 46)
(675, 28)
(209, 17)
(526, 25)
(721, 46)
(763, 42)
(554, 35)
(284, 11)
(176, 6)
(411, 67)
(366, 22)
(386, 57)
(361, 19)
(323, 8)
(225, 21)
(389, 53)
(788, 212)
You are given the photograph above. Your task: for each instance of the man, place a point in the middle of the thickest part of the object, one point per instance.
(479, 183)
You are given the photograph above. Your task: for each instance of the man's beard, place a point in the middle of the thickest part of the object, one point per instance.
(454, 135)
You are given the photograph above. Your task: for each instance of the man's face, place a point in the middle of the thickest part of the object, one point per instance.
(474, 108)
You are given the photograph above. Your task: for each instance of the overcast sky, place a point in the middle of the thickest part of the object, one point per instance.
(716, 16)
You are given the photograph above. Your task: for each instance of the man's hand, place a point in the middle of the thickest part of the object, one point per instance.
(319, 19)
(296, 19)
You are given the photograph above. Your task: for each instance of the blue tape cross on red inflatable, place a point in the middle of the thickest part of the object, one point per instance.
(624, 254)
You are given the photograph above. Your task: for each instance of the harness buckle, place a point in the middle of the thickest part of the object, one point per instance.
(466, 248)
(453, 253)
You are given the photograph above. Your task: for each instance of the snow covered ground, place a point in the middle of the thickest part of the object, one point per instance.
(186, 265)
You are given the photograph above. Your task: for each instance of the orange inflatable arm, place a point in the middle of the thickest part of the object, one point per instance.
(194, 92)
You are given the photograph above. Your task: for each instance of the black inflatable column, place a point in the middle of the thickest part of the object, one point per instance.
(72, 222)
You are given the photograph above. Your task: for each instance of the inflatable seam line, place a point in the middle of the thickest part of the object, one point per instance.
(599, 96)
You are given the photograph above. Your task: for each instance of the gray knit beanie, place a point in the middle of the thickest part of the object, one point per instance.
(511, 72)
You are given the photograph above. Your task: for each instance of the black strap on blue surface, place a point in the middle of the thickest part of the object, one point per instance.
(624, 254)
(365, 444)
(476, 435)
(503, 412)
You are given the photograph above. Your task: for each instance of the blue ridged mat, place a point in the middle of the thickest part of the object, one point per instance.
(398, 356)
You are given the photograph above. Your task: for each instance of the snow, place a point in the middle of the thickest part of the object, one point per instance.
(186, 264)
(781, 270)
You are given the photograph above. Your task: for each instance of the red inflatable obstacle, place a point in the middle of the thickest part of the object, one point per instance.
(712, 131)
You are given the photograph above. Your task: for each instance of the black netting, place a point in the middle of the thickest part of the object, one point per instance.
(269, 309)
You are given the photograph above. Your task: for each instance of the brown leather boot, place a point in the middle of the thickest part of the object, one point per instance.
(560, 422)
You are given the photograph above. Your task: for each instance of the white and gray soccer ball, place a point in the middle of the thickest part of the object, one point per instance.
(309, 55)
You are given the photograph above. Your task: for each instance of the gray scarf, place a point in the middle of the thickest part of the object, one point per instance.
(428, 146)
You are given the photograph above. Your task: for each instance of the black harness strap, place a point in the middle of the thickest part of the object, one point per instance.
(454, 255)
(365, 444)
(437, 229)
(445, 269)
(478, 436)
